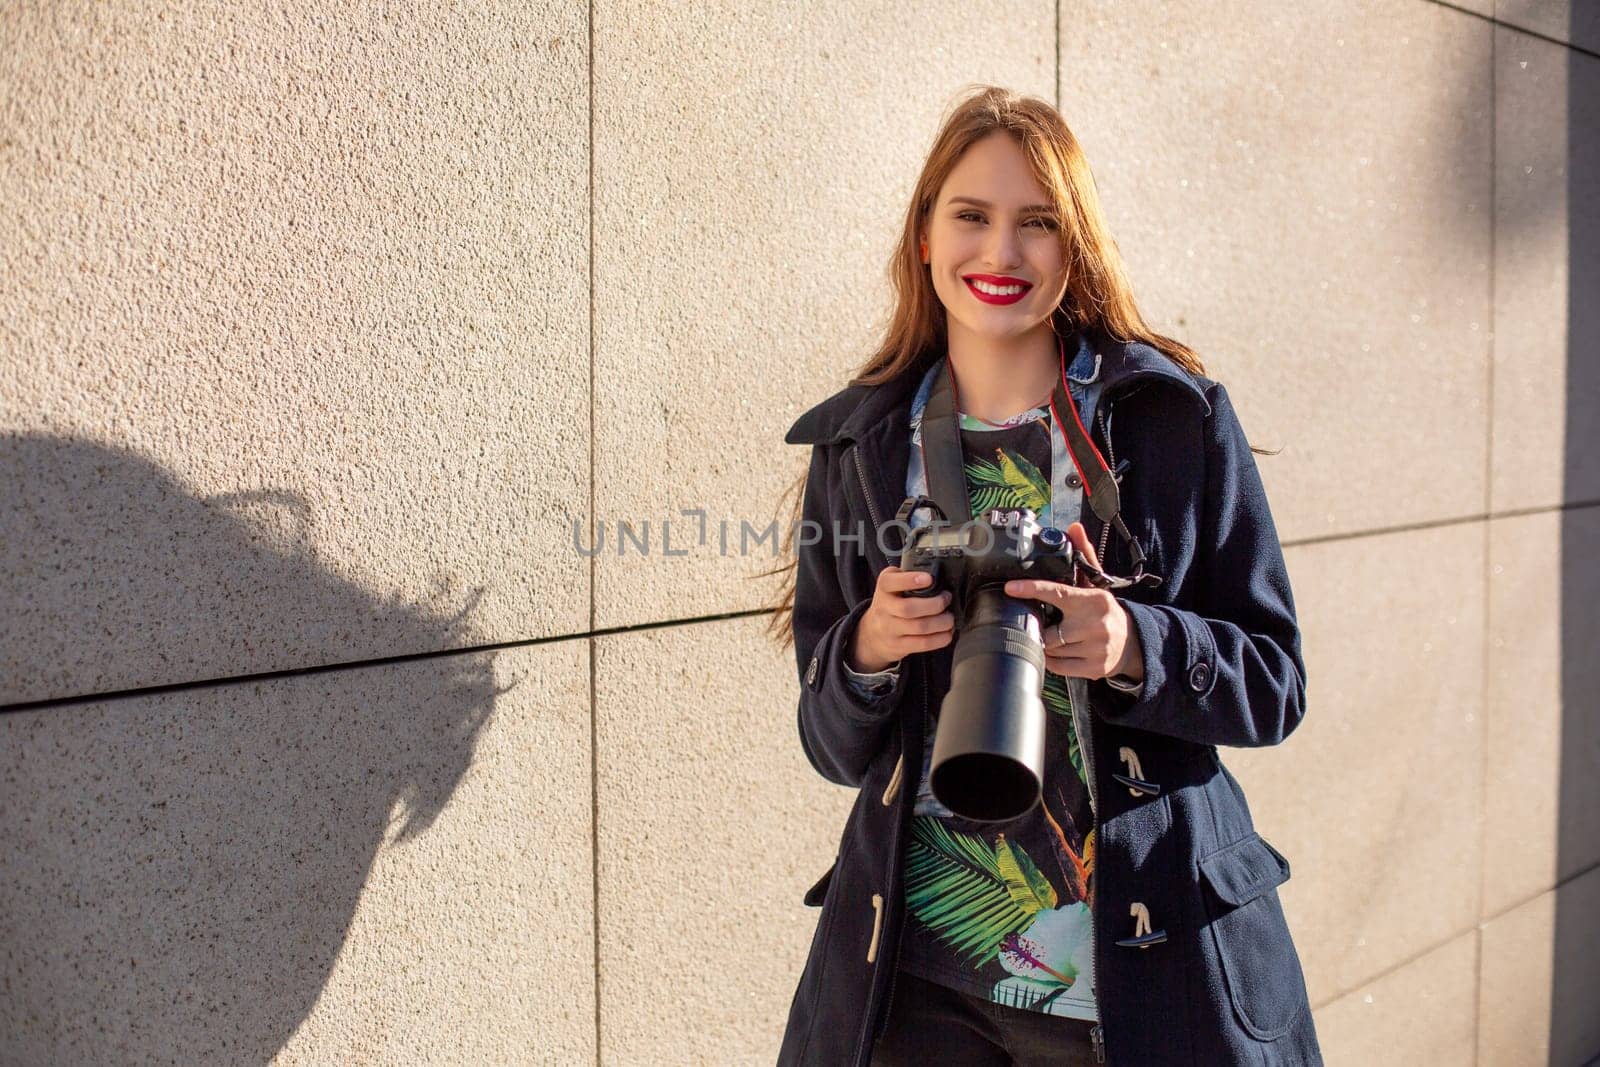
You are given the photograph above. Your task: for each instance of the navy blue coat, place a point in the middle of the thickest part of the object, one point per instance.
(1222, 666)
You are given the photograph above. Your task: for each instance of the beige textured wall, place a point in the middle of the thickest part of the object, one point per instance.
(321, 326)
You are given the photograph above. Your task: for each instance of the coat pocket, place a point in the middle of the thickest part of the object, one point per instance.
(1259, 964)
(819, 892)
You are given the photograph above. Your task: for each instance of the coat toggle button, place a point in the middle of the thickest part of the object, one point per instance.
(1143, 936)
(1135, 779)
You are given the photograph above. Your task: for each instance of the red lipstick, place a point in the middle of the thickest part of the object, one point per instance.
(1000, 281)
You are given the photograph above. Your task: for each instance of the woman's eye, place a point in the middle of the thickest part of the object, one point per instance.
(1039, 220)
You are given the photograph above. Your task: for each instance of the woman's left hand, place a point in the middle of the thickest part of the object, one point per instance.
(1095, 637)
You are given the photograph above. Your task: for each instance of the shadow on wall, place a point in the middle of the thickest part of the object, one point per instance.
(1574, 1029)
(181, 868)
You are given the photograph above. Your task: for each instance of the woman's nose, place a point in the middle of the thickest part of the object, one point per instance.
(1005, 249)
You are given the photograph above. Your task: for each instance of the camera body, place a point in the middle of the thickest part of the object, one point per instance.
(1006, 544)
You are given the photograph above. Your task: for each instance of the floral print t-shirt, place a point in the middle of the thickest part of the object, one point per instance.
(1002, 910)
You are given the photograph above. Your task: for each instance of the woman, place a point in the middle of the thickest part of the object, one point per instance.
(1131, 916)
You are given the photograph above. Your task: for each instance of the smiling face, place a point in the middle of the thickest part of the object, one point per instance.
(994, 249)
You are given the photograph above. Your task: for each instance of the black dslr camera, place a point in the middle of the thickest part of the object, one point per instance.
(988, 752)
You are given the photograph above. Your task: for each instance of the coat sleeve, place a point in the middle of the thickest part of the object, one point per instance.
(841, 728)
(1230, 673)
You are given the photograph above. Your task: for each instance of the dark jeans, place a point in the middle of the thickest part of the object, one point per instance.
(931, 1024)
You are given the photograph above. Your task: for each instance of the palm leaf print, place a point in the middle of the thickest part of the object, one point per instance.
(1056, 695)
(1057, 700)
(1029, 888)
(986, 487)
(988, 498)
(1011, 482)
(1025, 480)
(969, 895)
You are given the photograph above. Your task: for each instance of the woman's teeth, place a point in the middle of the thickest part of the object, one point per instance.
(996, 290)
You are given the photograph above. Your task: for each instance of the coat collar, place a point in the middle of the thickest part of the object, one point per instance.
(852, 413)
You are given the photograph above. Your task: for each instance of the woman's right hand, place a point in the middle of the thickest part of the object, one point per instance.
(895, 625)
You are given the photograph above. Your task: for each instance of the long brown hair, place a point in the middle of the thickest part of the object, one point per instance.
(1098, 295)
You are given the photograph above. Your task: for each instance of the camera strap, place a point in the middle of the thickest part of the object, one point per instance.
(945, 464)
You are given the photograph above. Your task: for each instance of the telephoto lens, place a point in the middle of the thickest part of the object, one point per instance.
(988, 750)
